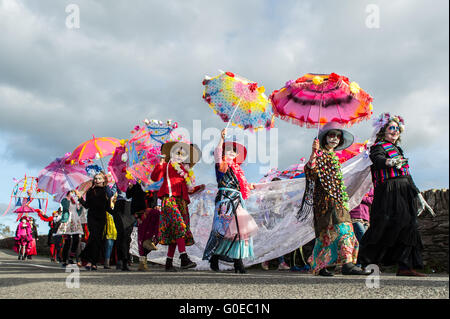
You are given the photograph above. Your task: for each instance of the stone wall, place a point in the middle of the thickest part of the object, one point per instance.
(434, 231)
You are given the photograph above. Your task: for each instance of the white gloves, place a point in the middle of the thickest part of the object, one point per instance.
(397, 161)
(423, 206)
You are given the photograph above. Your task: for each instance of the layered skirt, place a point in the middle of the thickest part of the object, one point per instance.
(393, 237)
(232, 231)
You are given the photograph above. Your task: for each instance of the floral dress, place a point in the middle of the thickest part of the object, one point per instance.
(174, 221)
(335, 239)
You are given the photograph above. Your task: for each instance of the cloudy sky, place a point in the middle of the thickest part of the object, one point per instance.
(131, 60)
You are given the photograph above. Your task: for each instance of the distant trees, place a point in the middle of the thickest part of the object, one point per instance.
(5, 231)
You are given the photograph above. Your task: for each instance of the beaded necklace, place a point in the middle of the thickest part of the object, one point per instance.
(330, 173)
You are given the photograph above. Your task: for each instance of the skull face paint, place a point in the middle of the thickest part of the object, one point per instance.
(333, 139)
(179, 155)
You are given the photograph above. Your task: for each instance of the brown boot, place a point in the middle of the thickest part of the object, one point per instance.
(143, 263)
(410, 272)
(149, 245)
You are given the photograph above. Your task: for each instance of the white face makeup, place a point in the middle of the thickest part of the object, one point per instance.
(333, 139)
(230, 154)
(179, 155)
(392, 132)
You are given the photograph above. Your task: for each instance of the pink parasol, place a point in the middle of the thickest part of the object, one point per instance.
(58, 177)
(316, 99)
(95, 148)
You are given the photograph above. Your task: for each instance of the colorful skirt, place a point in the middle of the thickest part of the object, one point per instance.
(31, 248)
(72, 226)
(336, 245)
(231, 238)
(238, 249)
(174, 222)
(21, 241)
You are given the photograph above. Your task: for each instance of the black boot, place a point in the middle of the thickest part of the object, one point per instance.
(186, 262)
(214, 262)
(169, 265)
(125, 265)
(324, 272)
(352, 269)
(239, 266)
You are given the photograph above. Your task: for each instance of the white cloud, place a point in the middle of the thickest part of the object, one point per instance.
(128, 62)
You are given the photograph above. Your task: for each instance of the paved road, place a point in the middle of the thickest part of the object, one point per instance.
(39, 278)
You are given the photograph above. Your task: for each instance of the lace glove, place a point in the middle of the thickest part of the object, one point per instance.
(423, 206)
(396, 161)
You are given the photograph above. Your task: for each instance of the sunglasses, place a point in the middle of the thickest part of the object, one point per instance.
(394, 128)
(334, 134)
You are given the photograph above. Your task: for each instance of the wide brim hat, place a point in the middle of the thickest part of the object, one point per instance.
(241, 151)
(194, 152)
(347, 137)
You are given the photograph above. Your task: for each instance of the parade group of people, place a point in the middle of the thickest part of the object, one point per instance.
(382, 230)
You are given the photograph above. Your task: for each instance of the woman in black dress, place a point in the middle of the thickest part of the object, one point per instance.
(393, 237)
(97, 202)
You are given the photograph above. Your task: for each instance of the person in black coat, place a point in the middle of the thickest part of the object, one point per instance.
(97, 202)
(124, 221)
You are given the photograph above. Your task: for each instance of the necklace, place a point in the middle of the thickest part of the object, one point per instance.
(188, 176)
(335, 169)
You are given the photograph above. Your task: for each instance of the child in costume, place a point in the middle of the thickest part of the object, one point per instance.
(23, 237)
(70, 228)
(174, 226)
(53, 240)
(233, 227)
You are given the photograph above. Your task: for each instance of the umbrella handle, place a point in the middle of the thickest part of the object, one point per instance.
(232, 115)
(320, 109)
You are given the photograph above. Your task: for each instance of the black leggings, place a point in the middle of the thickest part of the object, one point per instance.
(70, 242)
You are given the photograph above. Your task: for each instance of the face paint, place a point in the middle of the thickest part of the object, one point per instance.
(392, 132)
(179, 155)
(333, 139)
(230, 154)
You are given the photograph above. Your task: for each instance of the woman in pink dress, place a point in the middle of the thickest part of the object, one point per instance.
(23, 237)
